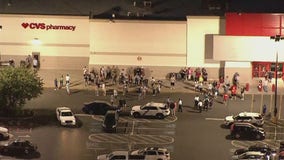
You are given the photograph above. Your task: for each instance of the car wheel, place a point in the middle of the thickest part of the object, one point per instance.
(91, 112)
(237, 136)
(5, 151)
(160, 116)
(136, 115)
(258, 137)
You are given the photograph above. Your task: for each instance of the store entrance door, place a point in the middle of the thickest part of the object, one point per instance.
(266, 70)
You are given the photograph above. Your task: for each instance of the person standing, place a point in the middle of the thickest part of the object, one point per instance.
(67, 79)
(172, 108)
(196, 100)
(55, 84)
(225, 98)
(112, 99)
(179, 105)
(265, 85)
(35, 63)
(243, 93)
(227, 81)
(104, 89)
(234, 92)
(173, 80)
(115, 94)
(264, 108)
(61, 82)
(200, 105)
(67, 88)
(29, 61)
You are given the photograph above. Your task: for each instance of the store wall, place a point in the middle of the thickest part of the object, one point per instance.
(240, 50)
(200, 31)
(64, 40)
(247, 48)
(145, 43)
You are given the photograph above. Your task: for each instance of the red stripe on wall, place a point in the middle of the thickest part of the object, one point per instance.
(254, 24)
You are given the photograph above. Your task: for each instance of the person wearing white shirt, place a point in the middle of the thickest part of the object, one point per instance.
(179, 105)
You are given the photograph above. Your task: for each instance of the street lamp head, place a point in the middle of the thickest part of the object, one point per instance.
(277, 38)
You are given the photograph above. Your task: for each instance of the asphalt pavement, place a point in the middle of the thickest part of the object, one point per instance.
(191, 133)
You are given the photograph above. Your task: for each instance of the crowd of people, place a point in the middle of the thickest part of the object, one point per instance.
(121, 80)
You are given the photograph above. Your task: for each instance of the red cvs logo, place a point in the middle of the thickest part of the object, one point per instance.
(25, 25)
(34, 25)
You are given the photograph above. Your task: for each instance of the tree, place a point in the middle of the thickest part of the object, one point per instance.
(17, 85)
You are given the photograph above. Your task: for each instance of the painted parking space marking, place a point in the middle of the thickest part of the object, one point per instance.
(130, 139)
(245, 143)
(167, 119)
(214, 119)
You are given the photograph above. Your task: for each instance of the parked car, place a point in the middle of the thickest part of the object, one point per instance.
(247, 117)
(110, 121)
(251, 155)
(247, 131)
(18, 148)
(153, 153)
(65, 116)
(154, 109)
(120, 155)
(4, 133)
(98, 107)
(260, 147)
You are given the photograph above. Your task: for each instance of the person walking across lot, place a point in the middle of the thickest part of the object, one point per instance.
(67, 88)
(61, 82)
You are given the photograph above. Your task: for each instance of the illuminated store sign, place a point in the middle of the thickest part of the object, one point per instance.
(47, 27)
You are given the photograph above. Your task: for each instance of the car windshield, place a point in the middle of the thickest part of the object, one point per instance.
(67, 114)
(236, 117)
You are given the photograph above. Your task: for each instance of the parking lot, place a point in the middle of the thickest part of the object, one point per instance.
(184, 135)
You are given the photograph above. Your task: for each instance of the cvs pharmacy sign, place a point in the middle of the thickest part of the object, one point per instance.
(44, 26)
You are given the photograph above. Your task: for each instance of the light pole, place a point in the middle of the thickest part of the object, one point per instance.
(276, 38)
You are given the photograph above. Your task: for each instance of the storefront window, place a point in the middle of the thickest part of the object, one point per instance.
(279, 69)
(265, 69)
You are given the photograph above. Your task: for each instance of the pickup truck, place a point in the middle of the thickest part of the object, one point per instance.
(121, 155)
(65, 116)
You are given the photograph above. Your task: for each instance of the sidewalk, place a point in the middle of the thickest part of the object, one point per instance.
(77, 82)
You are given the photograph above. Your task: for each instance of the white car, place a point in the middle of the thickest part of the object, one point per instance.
(153, 153)
(251, 155)
(4, 133)
(248, 117)
(65, 116)
(159, 110)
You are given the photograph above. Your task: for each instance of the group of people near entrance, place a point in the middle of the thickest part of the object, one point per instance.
(174, 105)
(212, 89)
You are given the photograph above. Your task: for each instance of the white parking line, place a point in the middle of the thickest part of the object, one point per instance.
(214, 119)
(132, 130)
(83, 115)
(24, 136)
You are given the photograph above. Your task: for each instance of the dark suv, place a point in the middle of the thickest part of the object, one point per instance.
(98, 107)
(247, 131)
(110, 121)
